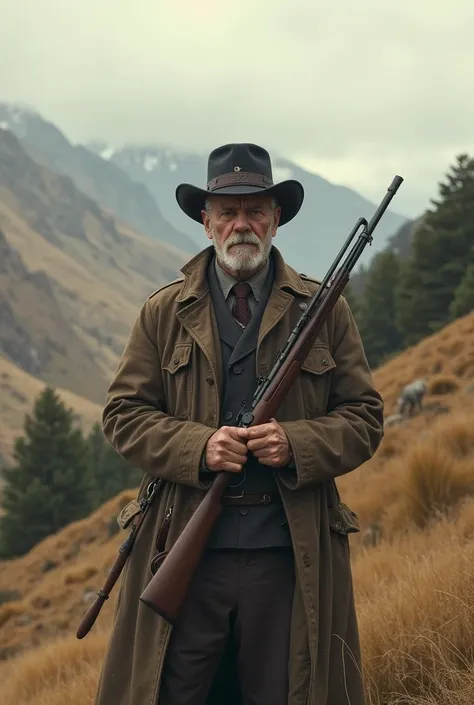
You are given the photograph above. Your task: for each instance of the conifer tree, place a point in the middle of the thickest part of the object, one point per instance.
(442, 250)
(379, 331)
(352, 299)
(111, 473)
(49, 484)
(463, 301)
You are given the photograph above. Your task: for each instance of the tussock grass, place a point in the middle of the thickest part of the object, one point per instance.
(64, 671)
(434, 482)
(415, 602)
(443, 384)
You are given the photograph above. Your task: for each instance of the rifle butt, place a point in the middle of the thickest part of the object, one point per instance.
(89, 618)
(167, 590)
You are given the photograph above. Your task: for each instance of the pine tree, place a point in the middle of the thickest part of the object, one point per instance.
(442, 250)
(379, 331)
(352, 299)
(111, 473)
(463, 301)
(49, 485)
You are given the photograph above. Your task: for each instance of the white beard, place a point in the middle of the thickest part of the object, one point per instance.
(243, 260)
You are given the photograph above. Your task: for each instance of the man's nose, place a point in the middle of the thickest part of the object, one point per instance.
(241, 221)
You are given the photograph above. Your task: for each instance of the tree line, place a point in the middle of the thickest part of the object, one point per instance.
(406, 299)
(58, 475)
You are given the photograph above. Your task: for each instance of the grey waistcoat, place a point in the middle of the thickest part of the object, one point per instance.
(244, 527)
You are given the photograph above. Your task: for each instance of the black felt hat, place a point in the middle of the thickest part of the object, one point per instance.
(241, 170)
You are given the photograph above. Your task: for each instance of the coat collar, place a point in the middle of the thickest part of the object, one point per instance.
(195, 279)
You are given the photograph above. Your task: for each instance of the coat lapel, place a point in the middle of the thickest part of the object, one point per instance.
(198, 316)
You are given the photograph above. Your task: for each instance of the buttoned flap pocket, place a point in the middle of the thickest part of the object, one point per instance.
(178, 381)
(179, 358)
(315, 381)
(318, 361)
(128, 514)
(343, 520)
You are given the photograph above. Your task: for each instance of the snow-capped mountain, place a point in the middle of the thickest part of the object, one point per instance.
(98, 178)
(309, 243)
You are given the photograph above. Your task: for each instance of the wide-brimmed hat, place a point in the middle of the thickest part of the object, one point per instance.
(241, 170)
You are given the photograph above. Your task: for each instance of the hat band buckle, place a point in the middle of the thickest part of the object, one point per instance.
(239, 177)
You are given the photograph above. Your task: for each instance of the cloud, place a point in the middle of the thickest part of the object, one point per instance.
(356, 91)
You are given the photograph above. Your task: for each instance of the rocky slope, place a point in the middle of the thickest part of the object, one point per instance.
(72, 277)
(102, 181)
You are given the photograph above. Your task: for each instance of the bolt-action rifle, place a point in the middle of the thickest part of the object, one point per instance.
(174, 569)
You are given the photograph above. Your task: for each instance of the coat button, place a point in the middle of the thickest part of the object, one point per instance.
(237, 370)
(243, 512)
(210, 380)
(176, 361)
(303, 306)
(325, 361)
(228, 415)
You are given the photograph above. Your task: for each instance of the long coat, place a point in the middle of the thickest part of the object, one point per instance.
(163, 406)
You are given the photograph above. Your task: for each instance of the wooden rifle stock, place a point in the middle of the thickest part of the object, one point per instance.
(167, 589)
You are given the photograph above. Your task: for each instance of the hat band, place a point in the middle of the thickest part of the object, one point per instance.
(239, 177)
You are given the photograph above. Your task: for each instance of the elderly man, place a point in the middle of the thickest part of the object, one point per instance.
(269, 618)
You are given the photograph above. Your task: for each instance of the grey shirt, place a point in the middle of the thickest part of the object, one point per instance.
(256, 282)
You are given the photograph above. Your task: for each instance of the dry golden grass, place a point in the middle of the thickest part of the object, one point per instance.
(443, 384)
(415, 601)
(414, 588)
(449, 352)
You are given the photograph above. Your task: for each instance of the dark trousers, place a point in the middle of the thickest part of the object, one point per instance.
(245, 595)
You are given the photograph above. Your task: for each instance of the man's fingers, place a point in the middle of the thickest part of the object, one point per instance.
(236, 446)
(257, 444)
(256, 431)
(231, 467)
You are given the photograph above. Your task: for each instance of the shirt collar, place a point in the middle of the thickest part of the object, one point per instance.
(256, 281)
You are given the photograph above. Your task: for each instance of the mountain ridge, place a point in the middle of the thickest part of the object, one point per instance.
(329, 209)
(72, 279)
(102, 181)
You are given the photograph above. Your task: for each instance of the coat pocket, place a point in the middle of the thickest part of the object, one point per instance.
(128, 514)
(315, 380)
(178, 381)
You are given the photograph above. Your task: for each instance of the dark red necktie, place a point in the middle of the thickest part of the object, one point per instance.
(241, 310)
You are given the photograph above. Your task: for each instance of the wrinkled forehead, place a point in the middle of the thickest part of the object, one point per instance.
(229, 201)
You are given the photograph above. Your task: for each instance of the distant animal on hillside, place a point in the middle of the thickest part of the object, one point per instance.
(411, 397)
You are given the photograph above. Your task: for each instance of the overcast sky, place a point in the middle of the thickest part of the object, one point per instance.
(355, 90)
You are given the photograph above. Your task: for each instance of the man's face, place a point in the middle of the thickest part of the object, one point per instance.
(241, 229)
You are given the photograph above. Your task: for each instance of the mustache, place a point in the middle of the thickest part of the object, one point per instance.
(242, 239)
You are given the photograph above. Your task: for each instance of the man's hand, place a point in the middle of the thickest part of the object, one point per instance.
(268, 442)
(225, 450)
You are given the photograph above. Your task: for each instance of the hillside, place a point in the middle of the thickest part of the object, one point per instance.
(72, 277)
(413, 576)
(309, 243)
(18, 391)
(102, 181)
